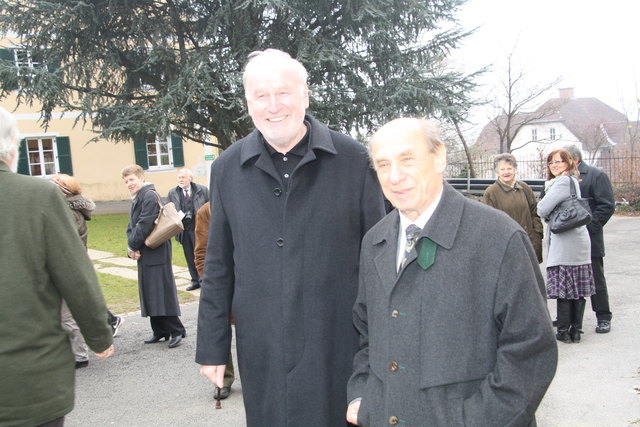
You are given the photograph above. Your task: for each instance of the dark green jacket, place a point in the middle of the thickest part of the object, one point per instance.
(42, 260)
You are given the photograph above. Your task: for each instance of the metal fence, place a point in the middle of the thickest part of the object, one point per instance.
(624, 172)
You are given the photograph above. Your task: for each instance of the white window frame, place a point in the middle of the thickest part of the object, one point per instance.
(154, 148)
(40, 152)
(27, 61)
(552, 134)
(534, 134)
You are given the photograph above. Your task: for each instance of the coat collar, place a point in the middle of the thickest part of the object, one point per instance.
(319, 139)
(508, 188)
(442, 228)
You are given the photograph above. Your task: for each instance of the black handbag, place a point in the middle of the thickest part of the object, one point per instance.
(571, 213)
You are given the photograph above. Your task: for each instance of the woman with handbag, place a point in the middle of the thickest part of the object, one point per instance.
(515, 198)
(569, 274)
(157, 286)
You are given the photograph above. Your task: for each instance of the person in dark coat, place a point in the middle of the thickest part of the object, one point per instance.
(450, 309)
(596, 186)
(289, 206)
(156, 284)
(42, 262)
(188, 197)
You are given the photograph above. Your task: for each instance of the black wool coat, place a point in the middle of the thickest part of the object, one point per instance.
(596, 186)
(156, 284)
(287, 263)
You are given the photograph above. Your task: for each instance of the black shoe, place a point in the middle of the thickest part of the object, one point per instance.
(224, 392)
(574, 333)
(563, 335)
(175, 341)
(154, 339)
(193, 286)
(604, 327)
(116, 324)
(82, 364)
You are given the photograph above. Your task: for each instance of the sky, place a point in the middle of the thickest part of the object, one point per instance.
(592, 45)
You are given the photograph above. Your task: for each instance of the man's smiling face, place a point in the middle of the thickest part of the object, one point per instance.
(277, 99)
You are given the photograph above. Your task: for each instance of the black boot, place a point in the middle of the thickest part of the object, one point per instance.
(564, 317)
(577, 313)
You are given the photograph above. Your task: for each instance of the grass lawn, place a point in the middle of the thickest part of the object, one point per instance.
(108, 233)
(121, 295)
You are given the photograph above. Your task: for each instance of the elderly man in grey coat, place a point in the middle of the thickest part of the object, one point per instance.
(454, 329)
(290, 204)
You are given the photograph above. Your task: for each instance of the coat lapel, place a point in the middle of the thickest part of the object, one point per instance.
(386, 243)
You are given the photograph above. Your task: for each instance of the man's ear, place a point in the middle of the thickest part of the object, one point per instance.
(441, 159)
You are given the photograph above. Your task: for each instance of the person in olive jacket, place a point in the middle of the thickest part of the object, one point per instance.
(516, 199)
(42, 261)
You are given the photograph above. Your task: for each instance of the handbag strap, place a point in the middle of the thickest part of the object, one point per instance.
(572, 188)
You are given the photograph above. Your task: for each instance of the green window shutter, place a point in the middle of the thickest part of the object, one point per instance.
(140, 147)
(176, 148)
(12, 82)
(64, 155)
(23, 158)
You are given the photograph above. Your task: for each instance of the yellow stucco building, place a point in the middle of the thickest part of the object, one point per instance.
(65, 148)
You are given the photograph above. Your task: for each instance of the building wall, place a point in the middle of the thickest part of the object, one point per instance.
(97, 165)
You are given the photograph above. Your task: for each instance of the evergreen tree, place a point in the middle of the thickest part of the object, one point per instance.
(143, 66)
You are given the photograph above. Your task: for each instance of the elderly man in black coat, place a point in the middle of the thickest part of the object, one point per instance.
(289, 206)
(188, 197)
(596, 186)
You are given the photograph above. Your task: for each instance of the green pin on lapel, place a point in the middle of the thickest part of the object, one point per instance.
(427, 254)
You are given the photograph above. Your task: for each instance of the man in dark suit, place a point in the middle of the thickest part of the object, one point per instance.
(454, 329)
(289, 206)
(596, 186)
(188, 197)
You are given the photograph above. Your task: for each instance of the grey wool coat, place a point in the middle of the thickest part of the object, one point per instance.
(287, 262)
(572, 247)
(156, 284)
(466, 342)
(42, 261)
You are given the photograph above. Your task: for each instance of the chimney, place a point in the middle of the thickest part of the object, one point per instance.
(565, 93)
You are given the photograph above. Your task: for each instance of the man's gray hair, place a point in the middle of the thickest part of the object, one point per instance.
(505, 157)
(574, 151)
(261, 56)
(9, 135)
(188, 171)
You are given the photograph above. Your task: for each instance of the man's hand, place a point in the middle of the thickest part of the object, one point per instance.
(107, 353)
(352, 412)
(134, 255)
(215, 373)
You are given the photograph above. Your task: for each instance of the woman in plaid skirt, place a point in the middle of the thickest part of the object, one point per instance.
(569, 274)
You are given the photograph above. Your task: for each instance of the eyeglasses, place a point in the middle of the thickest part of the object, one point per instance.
(557, 162)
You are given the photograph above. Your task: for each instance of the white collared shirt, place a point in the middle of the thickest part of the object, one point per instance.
(421, 222)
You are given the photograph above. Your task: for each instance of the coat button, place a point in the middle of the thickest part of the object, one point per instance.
(393, 420)
(277, 192)
(280, 242)
(393, 366)
(394, 313)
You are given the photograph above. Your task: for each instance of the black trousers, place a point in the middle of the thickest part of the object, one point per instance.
(600, 300)
(164, 326)
(188, 245)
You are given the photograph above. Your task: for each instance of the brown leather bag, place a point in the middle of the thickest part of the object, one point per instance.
(168, 224)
